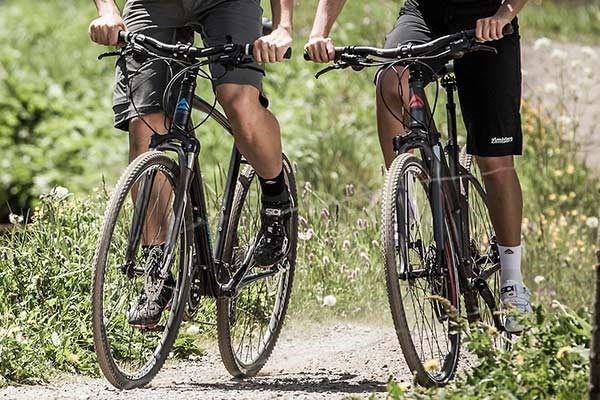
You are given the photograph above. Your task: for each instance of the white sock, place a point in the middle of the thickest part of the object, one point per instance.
(510, 264)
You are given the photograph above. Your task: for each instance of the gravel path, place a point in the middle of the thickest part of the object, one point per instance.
(563, 78)
(327, 363)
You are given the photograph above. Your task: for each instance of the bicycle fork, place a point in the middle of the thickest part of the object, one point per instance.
(419, 116)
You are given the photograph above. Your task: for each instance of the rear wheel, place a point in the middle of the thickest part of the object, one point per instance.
(424, 300)
(140, 212)
(249, 323)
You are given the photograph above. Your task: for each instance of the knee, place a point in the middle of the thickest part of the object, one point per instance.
(390, 86)
(496, 169)
(239, 101)
(242, 106)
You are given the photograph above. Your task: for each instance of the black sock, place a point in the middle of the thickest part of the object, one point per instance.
(274, 190)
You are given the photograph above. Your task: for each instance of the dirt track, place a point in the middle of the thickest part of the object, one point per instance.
(328, 363)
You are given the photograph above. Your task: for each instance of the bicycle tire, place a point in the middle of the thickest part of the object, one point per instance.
(394, 244)
(103, 344)
(227, 307)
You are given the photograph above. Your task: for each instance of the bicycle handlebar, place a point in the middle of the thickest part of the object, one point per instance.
(187, 50)
(410, 50)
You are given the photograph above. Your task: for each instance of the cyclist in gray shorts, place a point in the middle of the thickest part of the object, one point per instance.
(489, 88)
(239, 92)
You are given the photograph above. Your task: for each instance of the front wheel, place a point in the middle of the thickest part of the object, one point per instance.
(423, 295)
(249, 323)
(140, 216)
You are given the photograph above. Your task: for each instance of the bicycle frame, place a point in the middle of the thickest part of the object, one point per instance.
(184, 143)
(448, 195)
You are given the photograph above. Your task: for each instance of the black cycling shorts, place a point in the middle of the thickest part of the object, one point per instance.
(489, 85)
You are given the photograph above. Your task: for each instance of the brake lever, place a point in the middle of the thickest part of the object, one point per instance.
(337, 65)
(483, 47)
(111, 54)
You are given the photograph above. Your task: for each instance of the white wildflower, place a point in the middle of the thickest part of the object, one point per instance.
(15, 219)
(558, 55)
(59, 192)
(329, 301)
(589, 52)
(592, 222)
(364, 256)
(564, 120)
(539, 279)
(542, 43)
(307, 234)
(192, 330)
(551, 88)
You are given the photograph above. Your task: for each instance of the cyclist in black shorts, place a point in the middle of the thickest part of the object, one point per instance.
(239, 91)
(489, 88)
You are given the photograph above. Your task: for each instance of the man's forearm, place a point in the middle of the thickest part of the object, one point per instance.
(327, 13)
(283, 11)
(510, 8)
(106, 7)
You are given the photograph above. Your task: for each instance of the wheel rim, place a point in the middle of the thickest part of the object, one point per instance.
(134, 352)
(429, 319)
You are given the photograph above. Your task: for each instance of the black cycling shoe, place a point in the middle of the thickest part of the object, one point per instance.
(272, 244)
(156, 294)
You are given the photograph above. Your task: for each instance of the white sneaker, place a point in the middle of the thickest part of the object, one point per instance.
(515, 295)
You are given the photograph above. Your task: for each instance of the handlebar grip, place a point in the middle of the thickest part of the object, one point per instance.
(122, 38)
(338, 52)
(287, 55)
(506, 31)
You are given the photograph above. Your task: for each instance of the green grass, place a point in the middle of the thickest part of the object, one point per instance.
(569, 20)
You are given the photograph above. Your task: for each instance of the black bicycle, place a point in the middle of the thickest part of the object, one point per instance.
(160, 198)
(437, 238)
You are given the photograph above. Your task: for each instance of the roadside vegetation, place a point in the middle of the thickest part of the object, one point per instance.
(63, 157)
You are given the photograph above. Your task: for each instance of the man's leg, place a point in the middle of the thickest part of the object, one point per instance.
(255, 129)
(389, 109)
(157, 217)
(258, 138)
(505, 203)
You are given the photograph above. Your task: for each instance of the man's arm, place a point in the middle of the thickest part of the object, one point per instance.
(491, 28)
(320, 47)
(105, 29)
(272, 47)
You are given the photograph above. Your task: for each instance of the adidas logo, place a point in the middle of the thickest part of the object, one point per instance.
(509, 251)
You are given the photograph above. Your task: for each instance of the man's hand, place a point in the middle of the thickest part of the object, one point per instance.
(105, 29)
(320, 49)
(489, 29)
(272, 47)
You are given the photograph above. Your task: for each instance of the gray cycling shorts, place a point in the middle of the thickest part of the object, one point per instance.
(139, 87)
